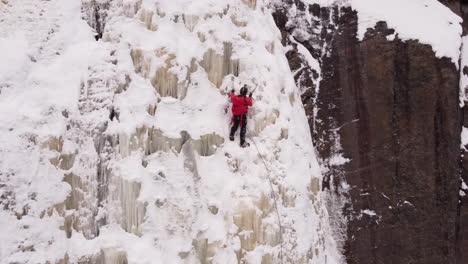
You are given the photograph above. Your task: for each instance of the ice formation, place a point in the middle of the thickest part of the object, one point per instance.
(115, 147)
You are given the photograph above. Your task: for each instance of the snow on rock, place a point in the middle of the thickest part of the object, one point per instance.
(115, 151)
(428, 21)
(463, 73)
(368, 212)
(464, 137)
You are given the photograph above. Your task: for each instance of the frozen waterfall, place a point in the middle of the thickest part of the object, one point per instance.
(116, 147)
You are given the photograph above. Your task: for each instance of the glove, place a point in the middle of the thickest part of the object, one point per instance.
(250, 95)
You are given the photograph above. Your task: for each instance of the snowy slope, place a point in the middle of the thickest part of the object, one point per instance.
(117, 150)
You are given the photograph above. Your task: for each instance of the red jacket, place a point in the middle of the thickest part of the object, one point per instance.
(240, 105)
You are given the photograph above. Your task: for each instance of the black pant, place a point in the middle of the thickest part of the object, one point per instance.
(237, 121)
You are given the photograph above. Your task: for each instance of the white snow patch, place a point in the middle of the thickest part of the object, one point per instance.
(12, 50)
(408, 203)
(464, 136)
(427, 21)
(464, 186)
(337, 160)
(313, 63)
(368, 212)
(463, 77)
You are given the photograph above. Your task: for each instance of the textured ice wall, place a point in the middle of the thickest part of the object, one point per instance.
(141, 166)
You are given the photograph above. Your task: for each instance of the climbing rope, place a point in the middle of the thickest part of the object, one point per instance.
(274, 199)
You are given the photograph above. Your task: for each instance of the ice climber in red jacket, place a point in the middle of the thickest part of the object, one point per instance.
(240, 107)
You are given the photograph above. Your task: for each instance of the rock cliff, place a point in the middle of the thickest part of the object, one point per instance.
(385, 118)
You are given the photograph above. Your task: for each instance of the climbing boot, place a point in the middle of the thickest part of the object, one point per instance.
(245, 144)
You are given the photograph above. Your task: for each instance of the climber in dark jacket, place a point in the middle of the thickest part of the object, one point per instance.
(240, 107)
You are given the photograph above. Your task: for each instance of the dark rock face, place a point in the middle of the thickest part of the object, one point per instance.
(462, 239)
(460, 7)
(392, 109)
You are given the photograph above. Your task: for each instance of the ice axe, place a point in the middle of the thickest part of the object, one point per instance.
(253, 90)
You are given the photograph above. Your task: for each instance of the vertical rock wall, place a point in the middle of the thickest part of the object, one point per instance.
(385, 118)
(460, 7)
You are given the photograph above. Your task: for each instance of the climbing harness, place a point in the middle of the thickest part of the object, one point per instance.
(274, 198)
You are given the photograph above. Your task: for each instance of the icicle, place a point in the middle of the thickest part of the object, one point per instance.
(158, 142)
(60, 160)
(237, 22)
(126, 144)
(147, 18)
(255, 231)
(132, 211)
(140, 62)
(81, 194)
(151, 109)
(63, 161)
(152, 140)
(76, 195)
(217, 66)
(204, 250)
(207, 144)
(123, 145)
(166, 82)
(131, 8)
(112, 256)
(251, 3)
(53, 144)
(262, 122)
(138, 140)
